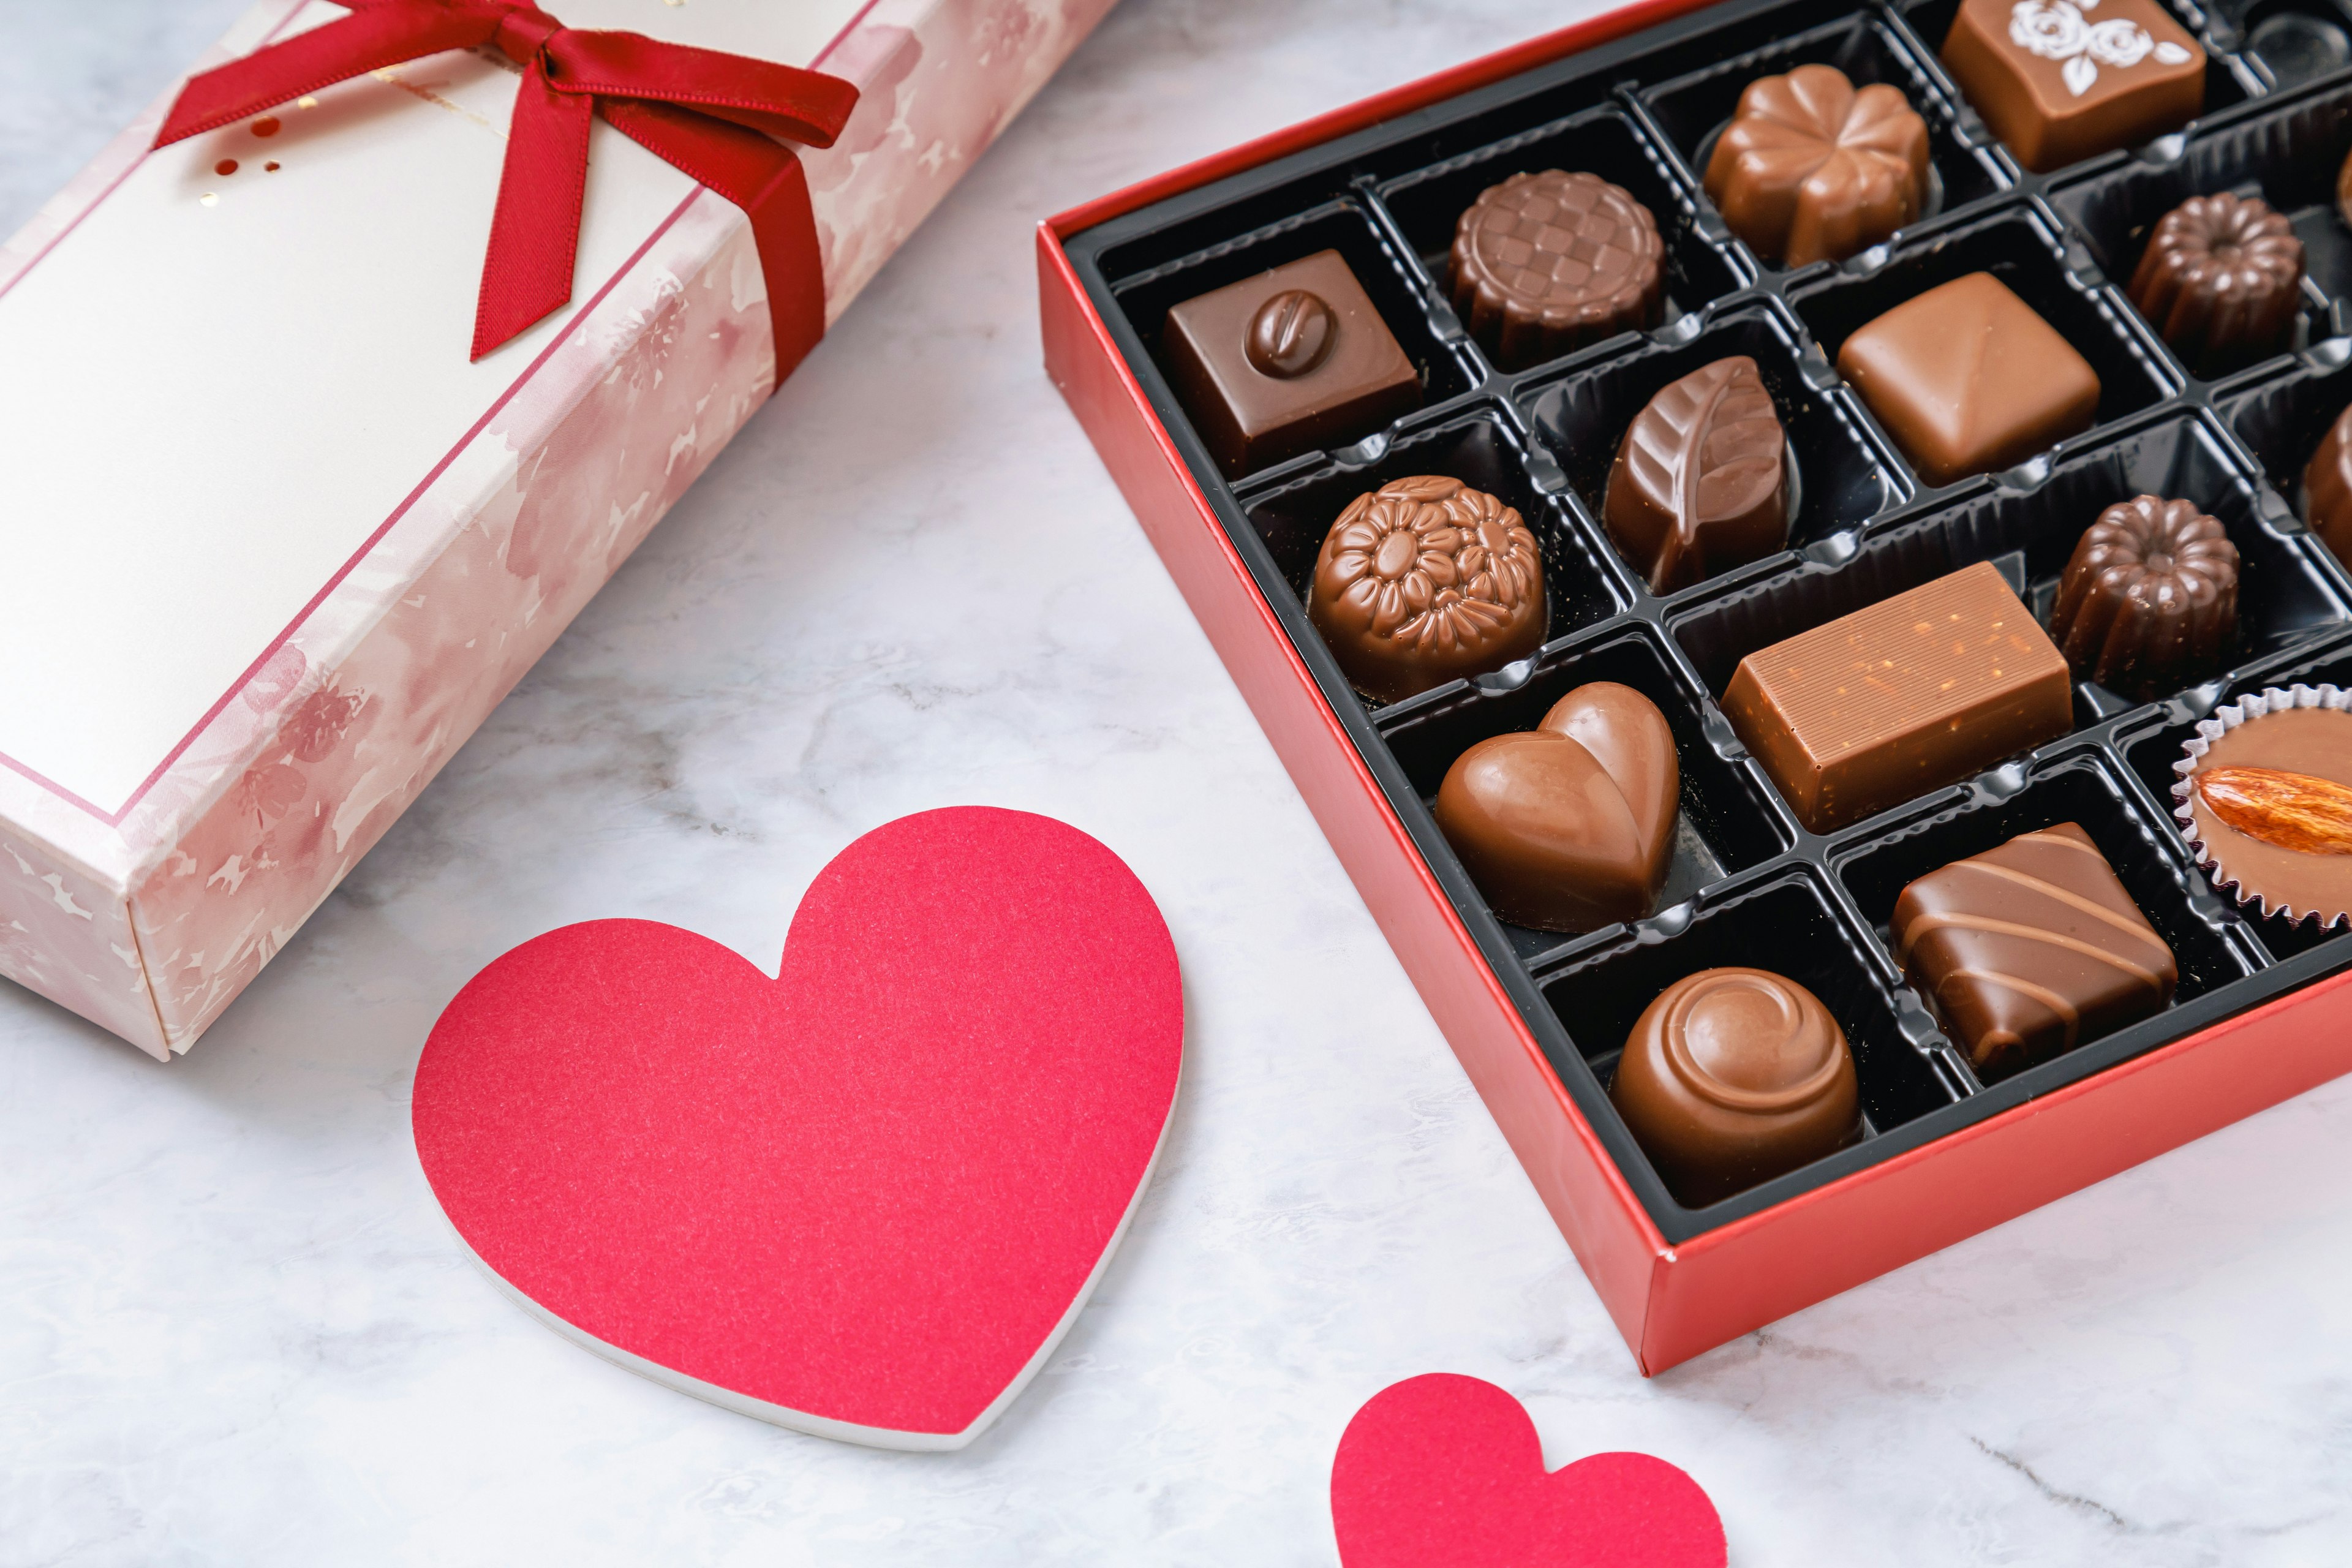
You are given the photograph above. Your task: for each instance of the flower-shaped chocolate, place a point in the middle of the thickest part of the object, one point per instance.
(2149, 602)
(1425, 580)
(1811, 170)
(2221, 279)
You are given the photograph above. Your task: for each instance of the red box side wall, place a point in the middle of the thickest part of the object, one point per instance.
(1729, 1282)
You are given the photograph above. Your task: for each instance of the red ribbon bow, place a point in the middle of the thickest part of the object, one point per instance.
(710, 114)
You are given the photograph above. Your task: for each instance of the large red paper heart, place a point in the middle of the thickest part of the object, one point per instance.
(1444, 1471)
(864, 1198)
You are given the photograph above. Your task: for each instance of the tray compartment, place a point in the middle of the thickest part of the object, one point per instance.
(1728, 823)
(1792, 925)
(2281, 419)
(1345, 225)
(2150, 754)
(1426, 204)
(2287, 156)
(1843, 478)
(2017, 245)
(2287, 43)
(1475, 443)
(1690, 111)
(2086, 789)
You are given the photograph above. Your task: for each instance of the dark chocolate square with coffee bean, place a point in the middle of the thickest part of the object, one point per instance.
(1290, 360)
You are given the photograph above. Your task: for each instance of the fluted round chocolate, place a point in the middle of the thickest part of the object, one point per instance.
(1425, 580)
(2149, 601)
(2221, 279)
(1545, 263)
(1570, 825)
(1733, 1076)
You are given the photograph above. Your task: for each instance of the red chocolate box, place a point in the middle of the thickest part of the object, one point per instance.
(2261, 1010)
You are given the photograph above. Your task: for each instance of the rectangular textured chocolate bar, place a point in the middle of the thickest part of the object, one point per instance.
(1901, 697)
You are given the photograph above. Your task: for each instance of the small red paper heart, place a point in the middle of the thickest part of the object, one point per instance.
(861, 1199)
(1444, 1471)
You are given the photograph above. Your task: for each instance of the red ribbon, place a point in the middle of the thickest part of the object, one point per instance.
(710, 114)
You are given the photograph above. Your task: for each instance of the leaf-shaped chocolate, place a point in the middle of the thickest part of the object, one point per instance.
(1700, 486)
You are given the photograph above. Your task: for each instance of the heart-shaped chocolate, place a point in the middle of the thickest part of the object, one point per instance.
(1570, 825)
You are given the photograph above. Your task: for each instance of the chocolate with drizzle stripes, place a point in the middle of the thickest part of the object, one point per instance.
(2031, 949)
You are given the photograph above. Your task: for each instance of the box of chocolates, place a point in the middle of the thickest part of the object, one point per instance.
(1833, 669)
(297, 487)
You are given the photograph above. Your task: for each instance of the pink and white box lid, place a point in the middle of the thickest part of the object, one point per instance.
(271, 546)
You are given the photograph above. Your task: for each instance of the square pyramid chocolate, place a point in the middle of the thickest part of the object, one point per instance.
(1968, 380)
(1293, 359)
(2031, 949)
(2060, 81)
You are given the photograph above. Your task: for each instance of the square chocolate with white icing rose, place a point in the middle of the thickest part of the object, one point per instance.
(2061, 80)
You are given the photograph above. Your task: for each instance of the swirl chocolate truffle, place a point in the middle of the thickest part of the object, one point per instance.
(1425, 580)
(2265, 802)
(2031, 949)
(2327, 489)
(1570, 825)
(1733, 1076)
(2149, 601)
(1284, 363)
(1969, 379)
(1700, 484)
(1547, 262)
(2063, 79)
(1812, 170)
(2221, 279)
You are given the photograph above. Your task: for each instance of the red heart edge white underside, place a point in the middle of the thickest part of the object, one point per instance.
(802, 1420)
(864, 1198)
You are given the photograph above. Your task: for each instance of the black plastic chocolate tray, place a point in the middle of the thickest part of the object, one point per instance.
(1749, 884)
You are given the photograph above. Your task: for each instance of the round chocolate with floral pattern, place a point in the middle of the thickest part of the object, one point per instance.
(1425, 580)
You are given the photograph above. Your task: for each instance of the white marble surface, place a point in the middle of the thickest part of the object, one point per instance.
(234, 1330)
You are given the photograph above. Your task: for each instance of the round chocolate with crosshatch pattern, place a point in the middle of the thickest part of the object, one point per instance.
(1546, 263)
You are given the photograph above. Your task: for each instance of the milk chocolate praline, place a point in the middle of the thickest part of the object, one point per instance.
(2265, 801)
(1812, 170)
(1294, 358)
(1733, 1076)
(2064, 79)
(1969, 379)
(1547, 262)
(1569, 826)
(1900, 697)
(1425, 580)
(1700, 484)
(2221, 279)
(2031, 948)
(2149, 601)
